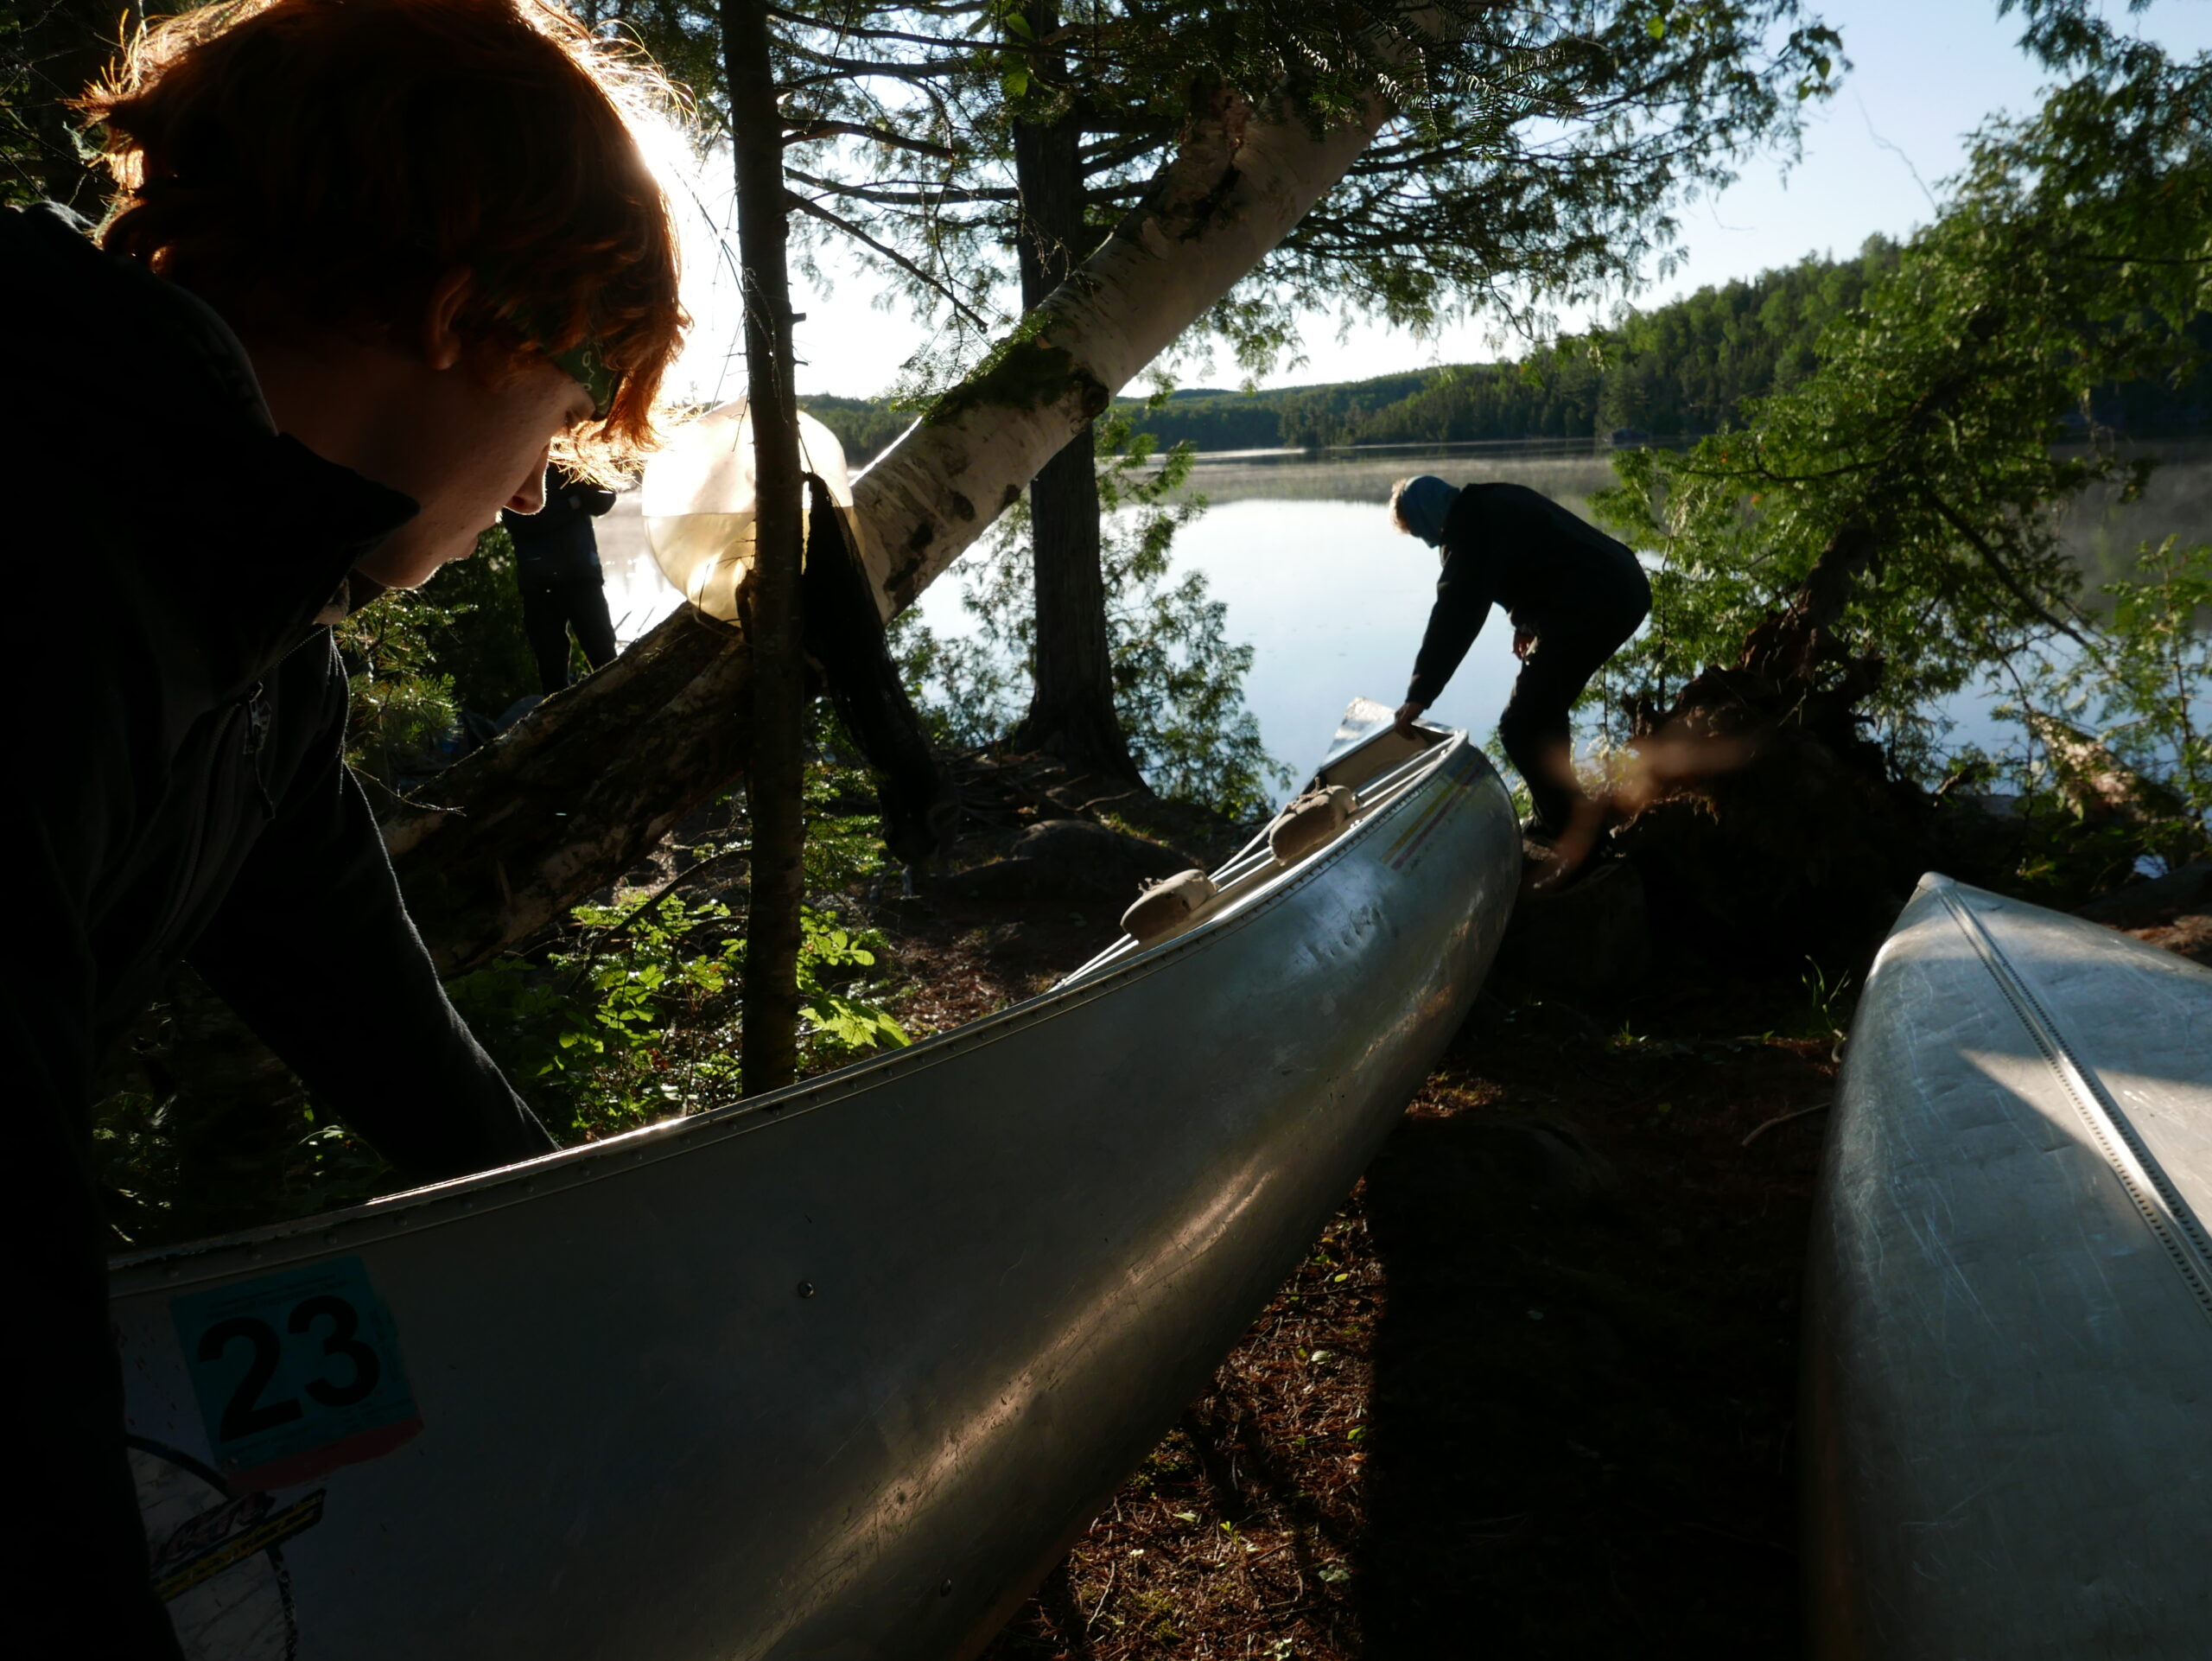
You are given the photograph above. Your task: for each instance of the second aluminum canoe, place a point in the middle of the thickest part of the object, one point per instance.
(2009, 1370)
(832, 1375)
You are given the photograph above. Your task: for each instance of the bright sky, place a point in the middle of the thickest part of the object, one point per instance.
(1925, 74)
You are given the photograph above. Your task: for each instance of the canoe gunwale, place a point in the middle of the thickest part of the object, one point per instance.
(1246, 874)
(2155, 1197)
(419, 1210)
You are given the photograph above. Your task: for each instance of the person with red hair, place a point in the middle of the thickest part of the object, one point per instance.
(369, 263)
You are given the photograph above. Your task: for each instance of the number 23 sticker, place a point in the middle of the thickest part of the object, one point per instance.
(296, 1373)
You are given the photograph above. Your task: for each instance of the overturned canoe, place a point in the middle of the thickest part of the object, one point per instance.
(837, 1373)
(2008, 1393)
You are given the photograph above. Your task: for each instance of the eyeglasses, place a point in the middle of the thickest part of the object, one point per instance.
(583, 364)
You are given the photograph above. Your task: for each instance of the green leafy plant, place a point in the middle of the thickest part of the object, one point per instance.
(641, 1020)
(1828, 1001)
(633, 1015)
(1911, 492)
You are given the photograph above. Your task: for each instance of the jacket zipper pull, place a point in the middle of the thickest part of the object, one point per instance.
(257, 735)
(256, 718)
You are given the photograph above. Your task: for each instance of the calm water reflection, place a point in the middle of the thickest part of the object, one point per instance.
(1332, 600)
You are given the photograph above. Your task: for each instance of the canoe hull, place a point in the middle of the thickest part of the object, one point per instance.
(2009, 1345)
(835, 1376)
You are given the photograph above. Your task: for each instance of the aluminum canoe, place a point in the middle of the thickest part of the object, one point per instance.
(835, 1374)
(2008, 1387)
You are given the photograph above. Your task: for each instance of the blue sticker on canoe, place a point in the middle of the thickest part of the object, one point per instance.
(296, 1373)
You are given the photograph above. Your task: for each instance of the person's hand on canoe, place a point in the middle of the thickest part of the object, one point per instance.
(1408, 714)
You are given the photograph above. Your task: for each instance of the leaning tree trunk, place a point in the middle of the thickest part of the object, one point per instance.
(1771, 829)
(1071, 712)
(770, 599)
(596, 776)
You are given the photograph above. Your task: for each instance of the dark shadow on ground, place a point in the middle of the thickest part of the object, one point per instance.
(1584, 1367)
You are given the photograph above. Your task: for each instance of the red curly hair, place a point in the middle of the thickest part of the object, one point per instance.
(332, 159)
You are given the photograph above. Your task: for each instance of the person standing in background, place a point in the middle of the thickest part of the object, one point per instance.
(1575, 596)
(556, 562)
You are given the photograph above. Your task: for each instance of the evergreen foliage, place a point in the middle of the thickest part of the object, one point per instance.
(1909, 489)
(418, 660)
(49, 51)
(21, 178)
(1680, 369)
(1533, 159)
(865, 426)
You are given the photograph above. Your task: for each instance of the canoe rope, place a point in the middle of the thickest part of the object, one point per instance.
(2163, 1209)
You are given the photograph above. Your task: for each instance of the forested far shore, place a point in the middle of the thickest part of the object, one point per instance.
(1677, 371)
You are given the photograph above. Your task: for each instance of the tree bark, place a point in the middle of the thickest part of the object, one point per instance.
(769, 601)
(573, 795)
(1071, 712)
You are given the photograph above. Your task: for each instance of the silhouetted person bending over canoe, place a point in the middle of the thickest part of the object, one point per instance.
(1574, 595)
(367, 264)
(557, 566)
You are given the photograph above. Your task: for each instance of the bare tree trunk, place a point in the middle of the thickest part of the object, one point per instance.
(770, 597)
(1071, 712)
(575, 794)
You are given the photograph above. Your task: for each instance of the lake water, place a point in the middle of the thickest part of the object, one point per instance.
(1332, 600)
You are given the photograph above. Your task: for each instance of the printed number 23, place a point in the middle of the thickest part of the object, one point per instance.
(245, 1414)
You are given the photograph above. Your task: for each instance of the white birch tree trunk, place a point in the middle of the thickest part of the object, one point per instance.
(1234, 189)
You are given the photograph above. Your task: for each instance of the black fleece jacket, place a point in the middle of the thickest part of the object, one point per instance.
(557, 545)
(175, 792)
(1553, 573)
(180, 793)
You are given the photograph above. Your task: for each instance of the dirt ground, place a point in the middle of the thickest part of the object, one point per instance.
(1533, 1393)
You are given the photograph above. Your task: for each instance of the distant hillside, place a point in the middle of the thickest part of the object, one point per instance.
(1677, 371)
(863, 425)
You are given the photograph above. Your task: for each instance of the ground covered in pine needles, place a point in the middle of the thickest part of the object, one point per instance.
(1532, 1393)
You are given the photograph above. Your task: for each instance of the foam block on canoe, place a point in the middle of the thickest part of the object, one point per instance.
(1164, 906)
(1310, 823)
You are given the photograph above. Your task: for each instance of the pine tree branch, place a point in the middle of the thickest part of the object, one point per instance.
(877, 194)
(865, 32)
(838, 68)
(815, 130)
(813, 210)
(1990, 558)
